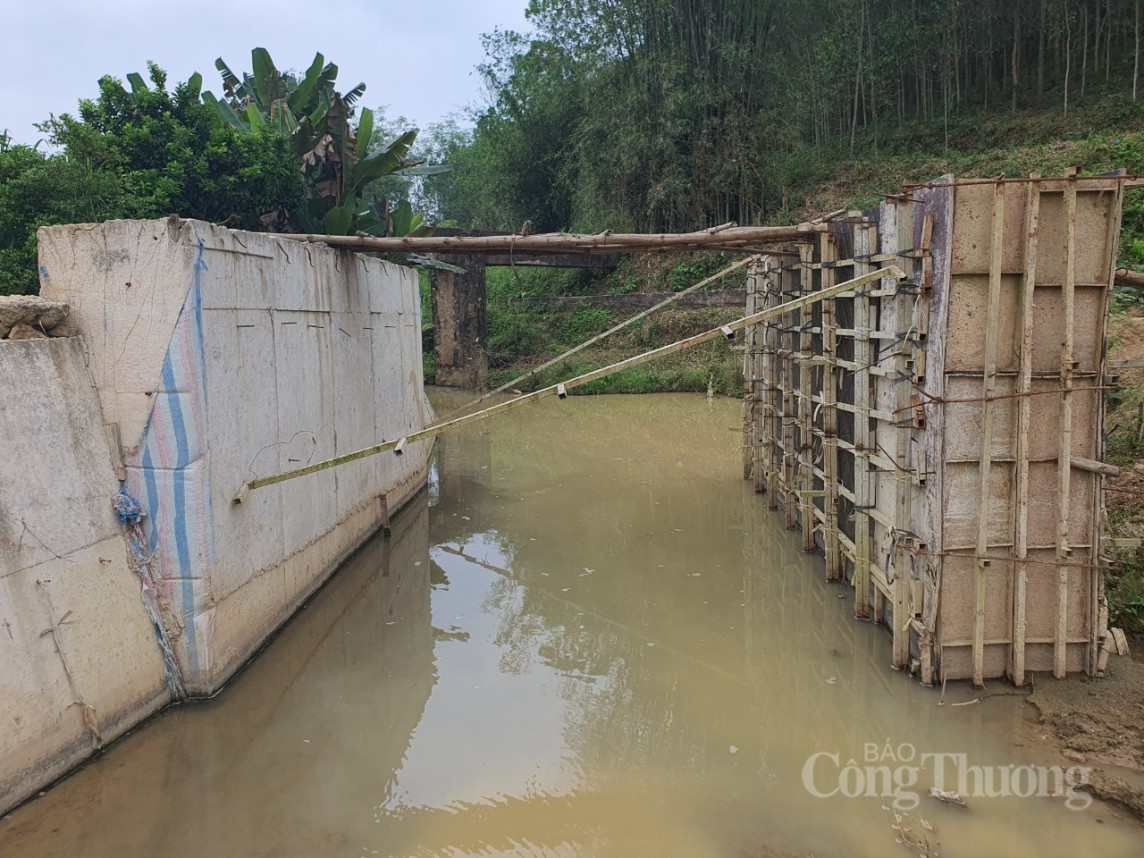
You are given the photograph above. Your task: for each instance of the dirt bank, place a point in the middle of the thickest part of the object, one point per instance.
(1100, 723)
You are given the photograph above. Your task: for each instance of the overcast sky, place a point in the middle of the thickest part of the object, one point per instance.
(416, 58)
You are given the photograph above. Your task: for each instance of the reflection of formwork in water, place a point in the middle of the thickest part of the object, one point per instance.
(914, 431)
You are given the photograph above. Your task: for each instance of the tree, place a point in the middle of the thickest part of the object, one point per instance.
(339, 161)
(169, 153)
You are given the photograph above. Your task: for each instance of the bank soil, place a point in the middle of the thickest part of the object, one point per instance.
(1099, 722)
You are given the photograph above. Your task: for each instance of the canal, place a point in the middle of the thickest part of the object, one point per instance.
(587, 637)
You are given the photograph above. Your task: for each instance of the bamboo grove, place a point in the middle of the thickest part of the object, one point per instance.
(676, 114)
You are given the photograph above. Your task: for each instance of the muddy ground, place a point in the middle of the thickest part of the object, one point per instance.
(1100, 721)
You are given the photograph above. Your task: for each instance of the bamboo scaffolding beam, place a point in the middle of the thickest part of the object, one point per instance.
(865, 241)
(561, 389)
(772, 370)
(752, 384)
(728, 238)
(1130, 279)
(508, 385)
(1098, 608)
(805, 406)
(1064, 454)
(989, 383)
(835, 566)
(789, 338)
(1024, 386)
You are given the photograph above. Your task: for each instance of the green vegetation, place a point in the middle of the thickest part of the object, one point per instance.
(523, 334)
(138, 153)
(681, 114)
(277, 152)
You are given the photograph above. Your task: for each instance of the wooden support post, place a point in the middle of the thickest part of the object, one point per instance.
(805, 403)
(752, 384)
(832, 547)
(771, 373)
(1064, 454)
(1098, 608)
(865, 243)
(460, 328)
(989, 385)
(790, 341)
(904, 460)
(1024, 408)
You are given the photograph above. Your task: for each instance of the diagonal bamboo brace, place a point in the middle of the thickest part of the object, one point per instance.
(565, 386)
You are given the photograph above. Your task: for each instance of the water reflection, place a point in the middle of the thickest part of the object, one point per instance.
(594, 641)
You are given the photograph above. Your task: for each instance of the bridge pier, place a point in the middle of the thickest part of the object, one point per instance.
(460, 324)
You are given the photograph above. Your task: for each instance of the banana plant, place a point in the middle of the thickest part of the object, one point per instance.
(338, 159)
(295, 106)
(340, 167)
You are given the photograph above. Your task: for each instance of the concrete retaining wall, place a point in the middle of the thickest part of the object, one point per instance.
(79, 661)
(207, 358)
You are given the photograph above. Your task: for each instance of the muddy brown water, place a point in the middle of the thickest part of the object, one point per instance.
(588, 637)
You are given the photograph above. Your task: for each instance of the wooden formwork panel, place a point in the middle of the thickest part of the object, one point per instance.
(922, 433)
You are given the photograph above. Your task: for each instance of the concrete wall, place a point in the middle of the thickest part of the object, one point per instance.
(222, 356)
(79, 660)
(207, 358)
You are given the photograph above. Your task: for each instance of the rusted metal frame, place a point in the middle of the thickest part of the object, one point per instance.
(806, 407)
(865, 242)
(832, 548)
(1024, 409)
(1064, 450)
(989, 383)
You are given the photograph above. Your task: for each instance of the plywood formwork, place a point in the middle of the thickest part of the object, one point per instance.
(934, 438)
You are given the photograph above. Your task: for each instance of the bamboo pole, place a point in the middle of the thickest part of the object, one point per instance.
(865, 239)
(1064, 454)
(805, 405)
(1024, 409)
(904, 310)
(989, 383)
(1130, 279)
(398, 446)
(751, 382)
(832, 545)
(607, 242)
(772, 369)
(790, 340)
(508, 385)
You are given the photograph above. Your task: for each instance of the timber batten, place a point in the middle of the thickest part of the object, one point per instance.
(926, 435)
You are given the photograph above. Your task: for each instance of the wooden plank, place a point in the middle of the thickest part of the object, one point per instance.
(1064, 454)
(989, 382)
(772, 374)
(1024, 385)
